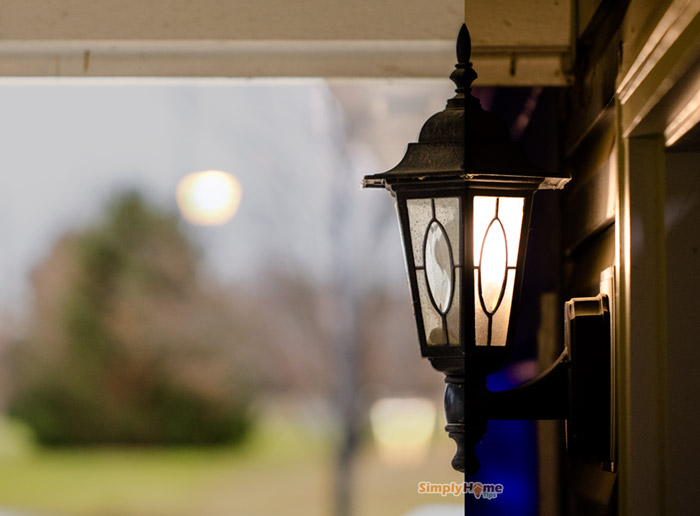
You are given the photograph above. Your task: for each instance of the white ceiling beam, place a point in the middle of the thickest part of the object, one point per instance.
(517, 42)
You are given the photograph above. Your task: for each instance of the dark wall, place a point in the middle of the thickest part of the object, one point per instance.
(683, 297)
(589, 211)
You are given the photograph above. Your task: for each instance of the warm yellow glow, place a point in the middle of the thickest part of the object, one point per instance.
(510, 213)
(208, 198)
(497, 227)
(484, 211)
(403, 428)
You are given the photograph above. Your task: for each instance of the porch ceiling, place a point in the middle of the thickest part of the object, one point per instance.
(516, 42)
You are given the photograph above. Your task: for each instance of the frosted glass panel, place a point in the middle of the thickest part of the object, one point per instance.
(493, 266)
(432, 321)
(420, 213)
(436, 235)
(438, 266)
(510, 213)
(448, 212)
(497, 228)
(453, 320)
(484, 211)
(499, 330)
(481, 320)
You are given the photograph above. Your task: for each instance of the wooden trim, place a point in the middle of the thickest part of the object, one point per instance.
(665, 76)
(278, 58)
(674, 21)
(684, 121)
(642, 347)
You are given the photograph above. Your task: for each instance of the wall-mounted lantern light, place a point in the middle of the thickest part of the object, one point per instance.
(464, 194)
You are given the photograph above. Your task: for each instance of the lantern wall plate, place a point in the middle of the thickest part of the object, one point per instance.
(578, 387)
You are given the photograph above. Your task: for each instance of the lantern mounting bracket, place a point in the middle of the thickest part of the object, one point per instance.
(578, 387)
(543, 397)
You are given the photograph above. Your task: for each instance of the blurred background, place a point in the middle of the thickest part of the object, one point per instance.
(158, 359)
(176, 342)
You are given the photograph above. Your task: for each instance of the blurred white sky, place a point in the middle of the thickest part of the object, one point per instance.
(70, 145)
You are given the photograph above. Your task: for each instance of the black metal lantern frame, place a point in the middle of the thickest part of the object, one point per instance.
(464, 155)
(464, 196)
(457, 335)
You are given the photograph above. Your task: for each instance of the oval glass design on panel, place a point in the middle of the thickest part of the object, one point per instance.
(438, 266)
(493, 267)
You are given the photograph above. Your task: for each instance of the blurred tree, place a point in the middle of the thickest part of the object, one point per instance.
(127, 345)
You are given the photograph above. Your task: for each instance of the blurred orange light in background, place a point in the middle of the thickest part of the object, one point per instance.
(208, 198)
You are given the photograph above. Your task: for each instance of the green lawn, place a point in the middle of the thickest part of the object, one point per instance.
(284, 470)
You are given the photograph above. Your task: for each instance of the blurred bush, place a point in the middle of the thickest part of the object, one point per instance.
(128, 345)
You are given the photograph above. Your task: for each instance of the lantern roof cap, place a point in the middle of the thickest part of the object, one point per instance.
(463, 142)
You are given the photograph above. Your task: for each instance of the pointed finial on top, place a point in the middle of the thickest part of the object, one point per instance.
(464, 45)
(464, 74)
